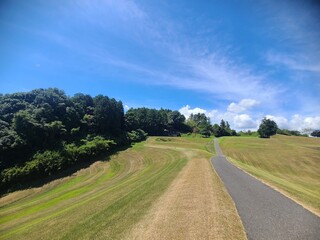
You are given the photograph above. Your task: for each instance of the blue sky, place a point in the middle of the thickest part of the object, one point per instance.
(236, 60)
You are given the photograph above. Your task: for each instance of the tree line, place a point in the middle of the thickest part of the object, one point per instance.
(45, 131)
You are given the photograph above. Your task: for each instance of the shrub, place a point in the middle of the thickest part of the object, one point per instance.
(137, 136)
(49, 162)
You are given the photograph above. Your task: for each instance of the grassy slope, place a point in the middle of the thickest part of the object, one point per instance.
(107, 197)
(289, 163)
(196, 204)
(103, 201)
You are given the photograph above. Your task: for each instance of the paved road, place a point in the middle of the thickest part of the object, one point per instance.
(265, 213)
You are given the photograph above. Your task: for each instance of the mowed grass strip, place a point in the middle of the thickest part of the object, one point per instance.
(105, 202)
(289, 163)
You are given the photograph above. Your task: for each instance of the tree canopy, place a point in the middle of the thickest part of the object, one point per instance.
(155, 122)
(267, 128)
(223, 129)
(315, 133)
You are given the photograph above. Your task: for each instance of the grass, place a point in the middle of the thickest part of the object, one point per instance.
(289, 163)
(107, 199)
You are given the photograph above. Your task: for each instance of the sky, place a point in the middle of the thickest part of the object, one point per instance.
(234, 60)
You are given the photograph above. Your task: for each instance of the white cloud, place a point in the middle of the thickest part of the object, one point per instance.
(190, 63)
(218, 75)
(244, 121)
(300, 123)
(213, 72)
(248, 122)
(297, 122)
(243, 105)
(187, 111)
(282, 122)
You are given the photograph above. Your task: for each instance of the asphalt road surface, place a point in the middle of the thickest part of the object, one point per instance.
(265, 213)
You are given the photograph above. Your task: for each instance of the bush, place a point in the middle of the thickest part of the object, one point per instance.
(315, 133)
(137, 136)
(50, 162)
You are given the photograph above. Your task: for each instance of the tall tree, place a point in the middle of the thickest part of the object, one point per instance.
(267, 128)
(315, 133)
(200, 123)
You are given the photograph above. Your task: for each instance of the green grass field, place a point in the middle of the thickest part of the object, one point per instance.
(292, 164)
(103, 201)
(108, 197)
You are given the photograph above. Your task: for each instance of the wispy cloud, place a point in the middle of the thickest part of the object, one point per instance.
(295, 26)
(294, 62)
(190, 63)
(227, 80)
(187, 62)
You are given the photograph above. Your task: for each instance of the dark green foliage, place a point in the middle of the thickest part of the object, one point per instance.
(290, 132)
(107, 115)
(137, 135)
(223, 129)
(267, 128)
(36, 126)
(45, 118)
(45, 131)
(315, 133)
(155, 122)
(200, 123)
(51, 161)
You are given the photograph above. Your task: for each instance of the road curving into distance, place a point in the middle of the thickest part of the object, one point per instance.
(265, 213)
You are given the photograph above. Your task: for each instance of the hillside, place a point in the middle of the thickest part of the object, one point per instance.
(162, 178)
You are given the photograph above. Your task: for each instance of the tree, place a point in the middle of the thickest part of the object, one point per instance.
(176, 119)
(267, 128)
(215, 129)
(200, 123)
(223, 130)
(315, 133)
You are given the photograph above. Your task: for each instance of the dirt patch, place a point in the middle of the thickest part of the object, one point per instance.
(195, 206)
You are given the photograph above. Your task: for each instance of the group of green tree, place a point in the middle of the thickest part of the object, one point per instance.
(45, 131)
(156, 122)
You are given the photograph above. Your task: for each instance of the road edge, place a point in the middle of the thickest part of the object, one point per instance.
(227, 192)
(309, 209)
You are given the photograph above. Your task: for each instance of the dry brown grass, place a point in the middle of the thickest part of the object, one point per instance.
(196, 206)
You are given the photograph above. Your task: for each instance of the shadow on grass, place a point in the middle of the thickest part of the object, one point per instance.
(63, 173)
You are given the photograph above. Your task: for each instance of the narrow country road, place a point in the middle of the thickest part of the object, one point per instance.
(265, 213)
